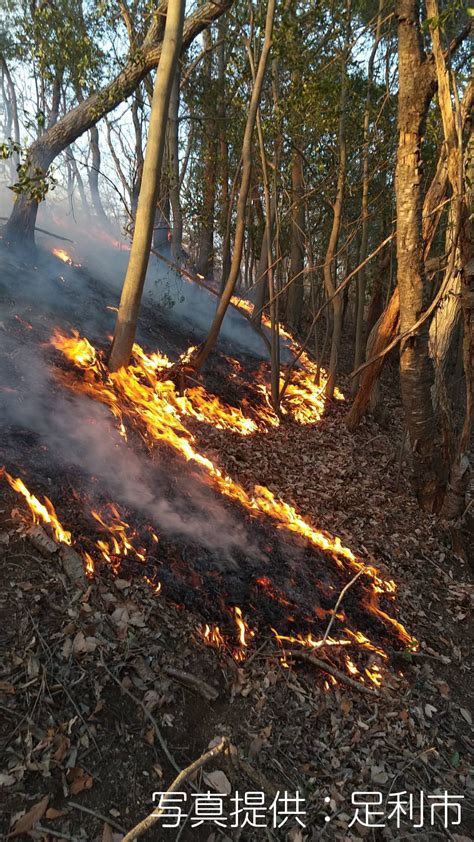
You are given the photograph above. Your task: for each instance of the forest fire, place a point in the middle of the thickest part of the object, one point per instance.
(304, 396)
(142, 400)
(139, 398)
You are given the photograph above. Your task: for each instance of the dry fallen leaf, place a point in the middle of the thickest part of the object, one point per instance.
(78, 780)
(107, 833)
(150, 736)
(28, 821)
(81, 644)
(219, 781)
(52, 813)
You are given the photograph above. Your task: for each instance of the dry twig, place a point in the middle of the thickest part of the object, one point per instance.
(149, 821)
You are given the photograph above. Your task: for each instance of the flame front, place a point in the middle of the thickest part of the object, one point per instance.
(155, 409)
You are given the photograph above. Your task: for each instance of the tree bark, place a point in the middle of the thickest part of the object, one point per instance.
(127, 316)
(386, 327)
(431, 215)
(414, 96)
(43, 151)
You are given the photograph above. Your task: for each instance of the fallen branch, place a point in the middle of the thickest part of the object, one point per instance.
(152, 818)
(323, 665)
(205, 690)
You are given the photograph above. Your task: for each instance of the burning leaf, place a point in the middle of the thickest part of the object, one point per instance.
(28, 821)
(219, 781)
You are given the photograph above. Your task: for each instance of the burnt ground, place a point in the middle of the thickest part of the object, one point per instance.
(89, 753)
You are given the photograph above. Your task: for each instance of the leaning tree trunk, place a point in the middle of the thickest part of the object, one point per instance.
(42, 152)
(415, 93)
(127, 316)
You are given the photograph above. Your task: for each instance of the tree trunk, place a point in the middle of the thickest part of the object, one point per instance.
(414, 97)
(127, 316)
(329, 270)
(223, 146)
(13, 108)
(208, 345)
(173, 155)
(294, 305)
(362, 276)
(431, 215)
(93, 173)
(205, 258)
(139, 158)
(43, 151)
(459, 273)
(382, 333)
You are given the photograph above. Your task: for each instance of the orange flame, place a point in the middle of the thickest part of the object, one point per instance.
(63, 255)
(157, 408)
(42, 512)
